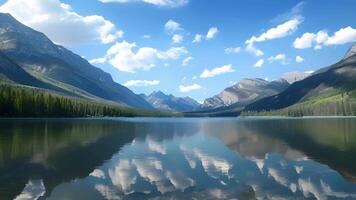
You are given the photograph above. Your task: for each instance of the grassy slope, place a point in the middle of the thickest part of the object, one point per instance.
(331, 102)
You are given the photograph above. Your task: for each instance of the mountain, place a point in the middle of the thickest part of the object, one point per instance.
(245, 92)
(12, 73)
(164, 102)
(55, 65)
(335, 85)
(292, 77)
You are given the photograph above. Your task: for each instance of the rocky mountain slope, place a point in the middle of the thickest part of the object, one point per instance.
(164, 102)
(336, 82)
(59, 67)
(245, 92)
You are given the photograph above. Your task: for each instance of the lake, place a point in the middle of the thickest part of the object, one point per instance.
(178, 158)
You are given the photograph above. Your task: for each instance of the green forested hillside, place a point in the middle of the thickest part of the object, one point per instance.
(332, 103)
(22, 101)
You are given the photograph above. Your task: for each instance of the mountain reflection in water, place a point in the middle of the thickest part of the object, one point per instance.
(149, 158)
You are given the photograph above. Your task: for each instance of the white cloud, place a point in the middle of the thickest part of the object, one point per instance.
(211, 33)
(97, 60)
(189, 88)
(342, 36)
(161, 3)
(187, 60)
(172, 26)
(279, 57)
(125, 59)
(252, 49)
(177, 38)
(299, 59)
(141, 83)
(60, 23)
(174, 53)
(217, 71)
(259, 63)
(280, 31)
(321, 38)
(306, 41)
(197, 38)
(147, 36)
(232, 50)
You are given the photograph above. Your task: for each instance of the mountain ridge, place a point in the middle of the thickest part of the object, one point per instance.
(336, 79)
(164, 102)
(244, 92)
(37, 54)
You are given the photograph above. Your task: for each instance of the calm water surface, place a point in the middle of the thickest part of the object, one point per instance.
(149, 158)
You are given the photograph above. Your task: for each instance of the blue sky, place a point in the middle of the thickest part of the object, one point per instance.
(132, 40)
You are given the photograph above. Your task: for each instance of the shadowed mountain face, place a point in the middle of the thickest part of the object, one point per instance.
(335, 79)
(12, 73)
(164, 102)
(245, 92)
(40, 57)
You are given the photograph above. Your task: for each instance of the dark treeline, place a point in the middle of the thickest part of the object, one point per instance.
(16, 101)
(337, 108)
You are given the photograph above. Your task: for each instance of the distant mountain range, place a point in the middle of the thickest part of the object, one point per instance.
(28, 57)
(334, 84)
(244, 92)
(164, 102)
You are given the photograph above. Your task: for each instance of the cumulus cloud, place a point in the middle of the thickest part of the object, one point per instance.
(141, 83)
(177, 38)
(306, 41)
(189, 88)
(187, 60)
(122, 56)
(60, 23)
(342, 36)
(231, 50)
(211, 33)
(259, 63)
(299, 59)
(280, 31)
(172, 26)
(217, 71)
(252, 49)
(161, 3)
(197, 38)
(322, 38)
(279, 57)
